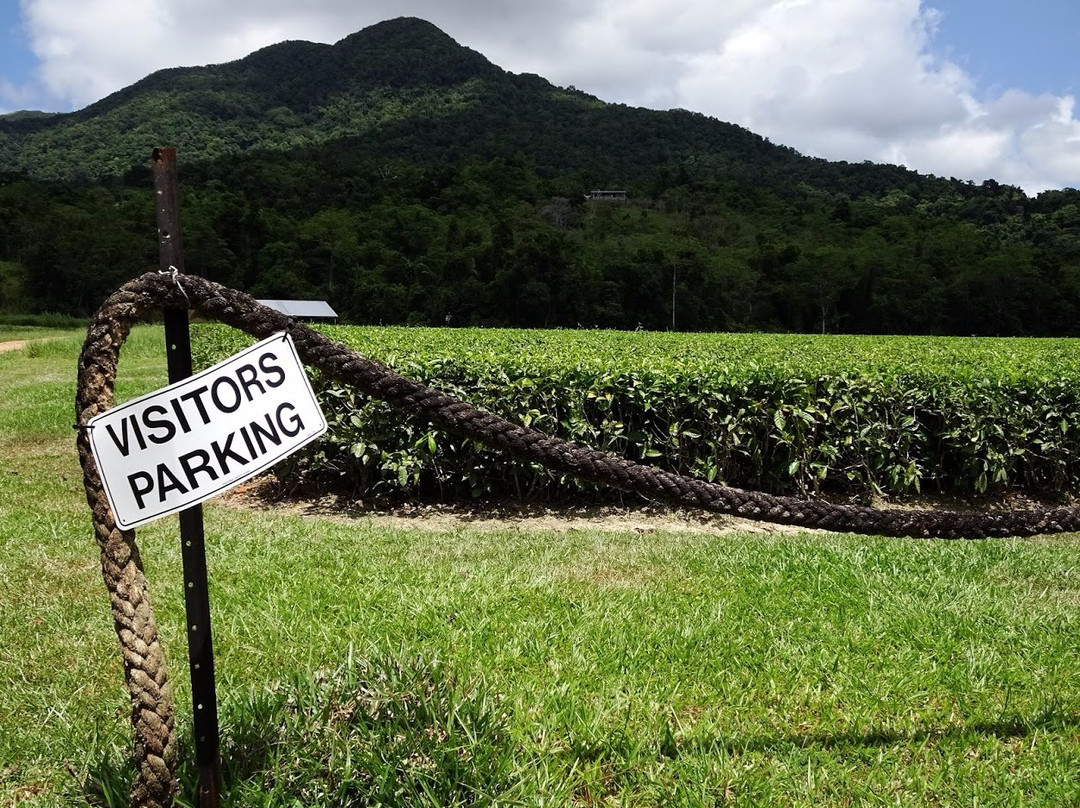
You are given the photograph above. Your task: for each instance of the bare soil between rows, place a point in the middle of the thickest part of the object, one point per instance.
(265, 494)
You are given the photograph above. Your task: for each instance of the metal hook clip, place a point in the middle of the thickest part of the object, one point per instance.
(174, 273)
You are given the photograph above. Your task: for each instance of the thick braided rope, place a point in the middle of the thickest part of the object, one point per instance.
(145, 673)
(151, 696)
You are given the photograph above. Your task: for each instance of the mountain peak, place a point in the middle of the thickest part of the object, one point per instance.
(408, 50)
(399, 28)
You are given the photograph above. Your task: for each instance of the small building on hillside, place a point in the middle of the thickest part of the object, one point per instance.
(607, 196)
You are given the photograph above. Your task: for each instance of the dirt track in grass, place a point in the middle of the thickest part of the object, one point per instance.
(263, 494)
(259, 494)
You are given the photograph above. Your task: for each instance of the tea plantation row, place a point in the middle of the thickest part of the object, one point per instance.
(784, 413)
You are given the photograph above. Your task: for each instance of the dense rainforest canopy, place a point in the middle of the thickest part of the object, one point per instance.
(406, 179)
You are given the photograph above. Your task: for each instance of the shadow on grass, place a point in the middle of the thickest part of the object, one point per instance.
(1014, 726)
(391, 734)
(667, 745)
(371, 733)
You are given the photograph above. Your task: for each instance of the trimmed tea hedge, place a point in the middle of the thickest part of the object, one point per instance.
(782, 413)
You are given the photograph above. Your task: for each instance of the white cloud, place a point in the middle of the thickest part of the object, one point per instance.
(89, 48)
(842, 79)
(800, 72)
(857, 79)
(15, 96)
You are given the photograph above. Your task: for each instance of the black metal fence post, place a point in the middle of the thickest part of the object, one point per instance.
(192, 539)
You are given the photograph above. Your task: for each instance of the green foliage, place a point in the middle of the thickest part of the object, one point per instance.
(12, 282)
(35, 321)
(74, 245)
(494, 243)
(793, 414)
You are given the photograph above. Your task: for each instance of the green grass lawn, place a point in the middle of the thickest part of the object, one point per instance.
(360, 666)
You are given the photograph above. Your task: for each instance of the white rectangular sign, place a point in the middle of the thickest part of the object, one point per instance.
(184, 443)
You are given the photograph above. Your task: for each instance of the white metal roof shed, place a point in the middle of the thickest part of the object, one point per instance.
(304, 309)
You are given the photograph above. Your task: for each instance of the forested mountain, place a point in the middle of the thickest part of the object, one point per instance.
(408, 179)
(283, 96)
(401, 88)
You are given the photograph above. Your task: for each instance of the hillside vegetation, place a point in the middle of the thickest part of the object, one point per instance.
(408, 180)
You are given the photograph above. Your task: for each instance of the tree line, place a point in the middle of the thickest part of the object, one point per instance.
(501, 241)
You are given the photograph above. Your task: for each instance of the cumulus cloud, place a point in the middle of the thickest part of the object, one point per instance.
(16, 96)
(858, 79)
(841, 79)
(89, 48)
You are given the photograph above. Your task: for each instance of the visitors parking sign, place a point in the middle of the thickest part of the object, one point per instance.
(187, 442)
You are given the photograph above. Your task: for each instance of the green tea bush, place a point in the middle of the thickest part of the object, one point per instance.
(46, 320)
(783, 413)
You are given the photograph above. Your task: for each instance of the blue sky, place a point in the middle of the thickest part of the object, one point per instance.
(974, 89)
(1027, 44)
(17, 62)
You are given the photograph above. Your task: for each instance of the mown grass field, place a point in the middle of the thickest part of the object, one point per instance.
(359, 665)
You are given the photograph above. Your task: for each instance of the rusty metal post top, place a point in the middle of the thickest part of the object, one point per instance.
(164, 155)
(167, 202)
